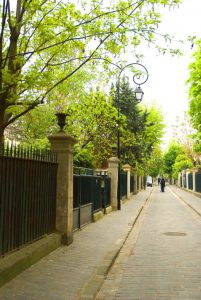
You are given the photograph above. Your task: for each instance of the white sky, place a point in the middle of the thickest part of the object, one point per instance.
(166, 84)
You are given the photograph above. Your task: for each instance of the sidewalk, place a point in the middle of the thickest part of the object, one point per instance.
(77, 271)
(191, 200)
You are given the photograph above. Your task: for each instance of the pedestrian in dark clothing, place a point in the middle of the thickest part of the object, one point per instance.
(162, 184)
(159, 180)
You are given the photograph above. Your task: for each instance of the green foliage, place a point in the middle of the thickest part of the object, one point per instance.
(143, 130)
(195, 95)
(45, 43)
(94, 124)
(182, 162)
(33, 128)
(154, 165)
(170, 156)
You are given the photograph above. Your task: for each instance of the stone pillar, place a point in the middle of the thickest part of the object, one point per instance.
(187, 184)
(183, 178)
(135, 182)
(127, 169)
(62, 144)
(194, 171)
(113, 164)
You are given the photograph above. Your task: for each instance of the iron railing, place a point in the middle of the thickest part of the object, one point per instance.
(27, 196)
(106, 191)
(123, 187)
(132, 183)
(190, 181)
(198, 182)
(91, 193)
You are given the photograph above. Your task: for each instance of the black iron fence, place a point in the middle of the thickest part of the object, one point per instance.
(91, 193)
(106, 191)
(132, 183)
(123, 186)
(198, 182)
(27, 196)
(190, 181)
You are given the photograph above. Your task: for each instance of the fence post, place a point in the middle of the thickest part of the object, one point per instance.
(127, 169)
(187, 183)
(113, 164)
(194, 171)
(62, 144)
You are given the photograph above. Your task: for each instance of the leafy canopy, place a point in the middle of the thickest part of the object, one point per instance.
(43, 43)
(182, 162)
(195, 96)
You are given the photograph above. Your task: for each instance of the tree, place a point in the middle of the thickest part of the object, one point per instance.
(33, 128)
(170, 156)
(186, 136)
(154, 165)
(43, 43)
(94, 124)
(143, 130)
(182, 162)
(92, 121)
(195, 96)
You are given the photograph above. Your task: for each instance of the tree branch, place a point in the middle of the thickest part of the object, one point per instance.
(88, 59)
(12, 120)
(36, 27)
(84, 37)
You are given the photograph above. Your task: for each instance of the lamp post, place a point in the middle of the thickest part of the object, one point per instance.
(138, 80)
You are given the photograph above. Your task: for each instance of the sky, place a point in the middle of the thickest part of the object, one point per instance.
(167, 76)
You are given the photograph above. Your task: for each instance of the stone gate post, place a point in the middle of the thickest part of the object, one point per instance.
(113, 164)
(187, 183)
(194, 171)
(127, 169)
(62, 144)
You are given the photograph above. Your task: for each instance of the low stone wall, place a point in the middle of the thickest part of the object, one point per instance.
(16, 262)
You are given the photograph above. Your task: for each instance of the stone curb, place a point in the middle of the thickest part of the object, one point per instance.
(96, 280)
(186, 202)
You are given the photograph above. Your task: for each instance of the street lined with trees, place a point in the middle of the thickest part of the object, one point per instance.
(60, 56)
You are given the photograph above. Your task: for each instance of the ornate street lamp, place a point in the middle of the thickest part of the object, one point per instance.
(139, 94)
(139, 78)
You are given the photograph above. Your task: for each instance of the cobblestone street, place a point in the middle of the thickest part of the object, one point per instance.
(165, 261)
(148, 250)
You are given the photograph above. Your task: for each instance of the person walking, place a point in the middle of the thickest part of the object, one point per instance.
(162, 182)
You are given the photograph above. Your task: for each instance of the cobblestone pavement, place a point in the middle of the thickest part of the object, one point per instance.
(67, 271)
(162, 259)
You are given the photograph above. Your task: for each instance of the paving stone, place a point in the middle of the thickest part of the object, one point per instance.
(159, 260)
(63, 273)
(165, 261)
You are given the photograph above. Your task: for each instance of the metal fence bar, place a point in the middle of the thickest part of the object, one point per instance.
(190, 181)
(107, 194)
(13, 150)
(89, 191)
(123, 187)
(132, 183)
(27, 196)
(198, 182)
